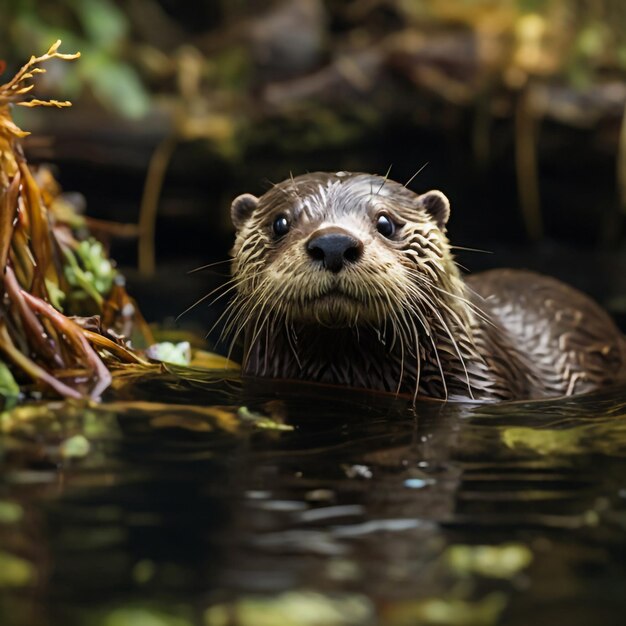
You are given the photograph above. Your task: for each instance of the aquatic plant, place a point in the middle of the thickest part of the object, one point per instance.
(50, 274)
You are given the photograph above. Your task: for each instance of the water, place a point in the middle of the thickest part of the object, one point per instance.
(312, 506)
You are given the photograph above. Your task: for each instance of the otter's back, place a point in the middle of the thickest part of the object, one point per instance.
(572, 341)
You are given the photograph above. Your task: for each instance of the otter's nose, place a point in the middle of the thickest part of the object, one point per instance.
(334, 248)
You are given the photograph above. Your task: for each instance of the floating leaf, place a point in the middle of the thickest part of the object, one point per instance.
(294, 608)
(142, 616)
(77, 446)
(175, 353)
(16, 571)
(544, 441)
(503, 561)
(10, 512)
(212, 361)
(446, 612)
(273, 421)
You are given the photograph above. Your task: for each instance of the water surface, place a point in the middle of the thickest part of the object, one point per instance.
(266, 504)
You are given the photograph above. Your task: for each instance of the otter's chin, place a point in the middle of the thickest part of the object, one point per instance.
(334, 311)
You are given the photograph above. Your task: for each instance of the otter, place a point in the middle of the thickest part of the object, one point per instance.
(349, 279)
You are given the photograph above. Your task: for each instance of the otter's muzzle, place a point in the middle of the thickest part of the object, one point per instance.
(334, 247)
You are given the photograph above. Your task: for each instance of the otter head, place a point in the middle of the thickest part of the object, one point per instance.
(339, 250)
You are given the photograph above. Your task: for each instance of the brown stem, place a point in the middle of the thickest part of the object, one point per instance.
(8, 206)
(114, 229)
(23, 262)
(35, 332)
(33, 370)
(526, 165)
(119, 351)
(150, 202)
(39, 231)
(621, 162)
(74, 334)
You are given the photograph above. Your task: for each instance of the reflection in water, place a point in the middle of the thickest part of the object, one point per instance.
(285, 504)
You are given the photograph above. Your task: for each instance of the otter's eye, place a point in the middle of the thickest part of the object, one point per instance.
(280, 226)
(385, 226)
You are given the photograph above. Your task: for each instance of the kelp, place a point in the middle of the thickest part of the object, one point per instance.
(65, 316)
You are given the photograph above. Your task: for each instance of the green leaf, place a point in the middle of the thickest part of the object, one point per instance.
(10, 512)
(97, 265)
(89, 271)
(293, 608)
(56, 295)
(142, 616)
(9, 389)
(118, 87)
(545, 441)
(176, 353)
(77, 446)
(501, 561)
(103, 22)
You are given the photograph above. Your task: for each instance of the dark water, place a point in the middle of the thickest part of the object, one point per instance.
(296, 506)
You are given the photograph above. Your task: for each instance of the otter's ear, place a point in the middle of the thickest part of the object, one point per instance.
(241, 208)
(437, 206)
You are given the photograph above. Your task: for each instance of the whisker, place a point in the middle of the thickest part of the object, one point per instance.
(443, 377)
(474, 307)
(291, 343)
(200, 301)
(231, 284)
(471, 249)
(419, 171)
(208, 265)
(384, 179)
(418, 361)
(293, 184)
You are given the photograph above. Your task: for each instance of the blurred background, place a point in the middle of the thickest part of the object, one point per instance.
(513, 108)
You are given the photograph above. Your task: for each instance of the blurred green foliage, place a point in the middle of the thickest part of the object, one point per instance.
(132, 50)
(9, 389)
(16, 571)
(99, 29)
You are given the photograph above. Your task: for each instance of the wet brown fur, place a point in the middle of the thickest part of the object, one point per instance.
(401, 318)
